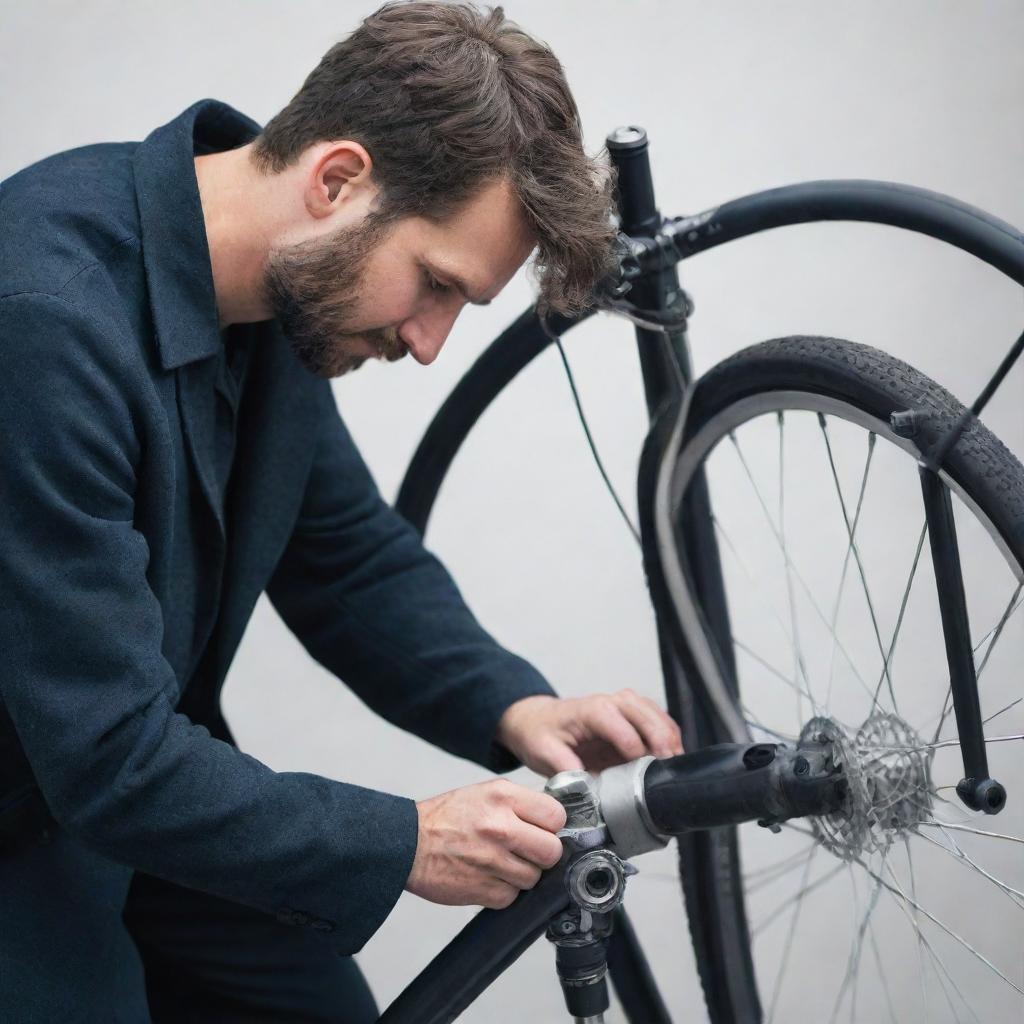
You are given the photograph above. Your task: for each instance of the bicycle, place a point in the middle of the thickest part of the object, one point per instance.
(838, 769)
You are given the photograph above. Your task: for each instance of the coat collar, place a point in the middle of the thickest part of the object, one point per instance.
(175, 250)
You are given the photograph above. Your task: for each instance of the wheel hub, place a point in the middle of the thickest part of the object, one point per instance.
(888, 783)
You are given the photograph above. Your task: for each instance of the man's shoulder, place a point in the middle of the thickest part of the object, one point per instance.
(65, 214)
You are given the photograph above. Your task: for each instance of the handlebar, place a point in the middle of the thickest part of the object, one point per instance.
(990, 239)
(645, 802)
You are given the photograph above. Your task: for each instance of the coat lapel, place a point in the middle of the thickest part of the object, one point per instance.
(179, 276)
(276, 427)
(197, 399)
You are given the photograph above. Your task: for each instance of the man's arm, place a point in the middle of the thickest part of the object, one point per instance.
(372, 605)
(91, 695)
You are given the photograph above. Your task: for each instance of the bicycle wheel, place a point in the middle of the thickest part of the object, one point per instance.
(904, 906)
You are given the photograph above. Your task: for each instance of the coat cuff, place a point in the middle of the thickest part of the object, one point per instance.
(376, 868)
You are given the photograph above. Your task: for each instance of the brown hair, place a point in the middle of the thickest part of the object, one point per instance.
(446, 97)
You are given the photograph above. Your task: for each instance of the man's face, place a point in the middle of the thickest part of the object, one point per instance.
(367, 290)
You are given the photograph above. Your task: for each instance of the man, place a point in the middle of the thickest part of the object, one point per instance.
(170, 312)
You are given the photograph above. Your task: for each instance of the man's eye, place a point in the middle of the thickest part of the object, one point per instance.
(434, 284)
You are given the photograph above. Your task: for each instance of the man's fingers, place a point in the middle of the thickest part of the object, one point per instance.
(499, 895)
(538, 808)
(610, 724)
(536, 845)
(538, 817)
(556, 756)
(514, 870)
(660, 734)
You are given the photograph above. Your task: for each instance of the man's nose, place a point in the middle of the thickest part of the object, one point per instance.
(426, 334)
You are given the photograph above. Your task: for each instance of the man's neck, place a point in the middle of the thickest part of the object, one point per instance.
(235, 200)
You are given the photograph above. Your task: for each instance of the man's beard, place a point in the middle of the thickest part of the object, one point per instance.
(312, 289)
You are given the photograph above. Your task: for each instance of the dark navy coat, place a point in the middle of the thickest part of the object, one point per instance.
(127, 579)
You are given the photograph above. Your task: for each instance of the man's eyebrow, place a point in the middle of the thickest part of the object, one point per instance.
(457, 283)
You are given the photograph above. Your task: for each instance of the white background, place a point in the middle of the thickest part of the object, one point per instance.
(736, 97)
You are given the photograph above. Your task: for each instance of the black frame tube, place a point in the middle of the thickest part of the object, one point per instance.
(514, 349)
(977, 789)
(877, 202)
(631, 975)
(490, 943)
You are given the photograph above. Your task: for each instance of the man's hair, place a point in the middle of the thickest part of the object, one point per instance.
(446, 97)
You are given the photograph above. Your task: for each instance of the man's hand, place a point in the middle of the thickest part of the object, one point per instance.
(551, 735)
(482, 844)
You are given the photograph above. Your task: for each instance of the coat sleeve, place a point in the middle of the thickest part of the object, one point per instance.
(372, 605)
(89, 692)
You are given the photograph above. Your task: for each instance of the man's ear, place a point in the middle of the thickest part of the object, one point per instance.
(339, 171)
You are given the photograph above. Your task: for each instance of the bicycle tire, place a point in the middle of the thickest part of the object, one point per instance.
(870, 385)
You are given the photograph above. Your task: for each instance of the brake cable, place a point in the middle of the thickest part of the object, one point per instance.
(649, 319)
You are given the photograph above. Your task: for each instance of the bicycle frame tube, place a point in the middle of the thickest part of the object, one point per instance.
(877, 202)
(516, 347)
(490, 943)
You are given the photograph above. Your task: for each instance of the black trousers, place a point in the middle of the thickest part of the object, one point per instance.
(210, 961)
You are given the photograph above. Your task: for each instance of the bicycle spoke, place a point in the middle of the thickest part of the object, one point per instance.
(792, 932)
(857, 558)
(949, 931)
(956, 743)
(787, 561)
(920, 948)
(997, 631)
(816, 607)
(853, 961)
(794, 622)
(996, 714)
(775, 914)
(1015, 896)
(973, 831)
(765, 600)
(899, 618)
(775, 672)
(923, 939)
(754, 880)
(941, 743)
(752, 720)
(851, 529)
(842, 575)
(856, 915)
(881, 973)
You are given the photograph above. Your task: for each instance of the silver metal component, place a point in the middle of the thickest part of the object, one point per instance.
(597, 1018)
(588, 838)
(626, 137)
(888, 784)
(905, 422)
(577, 792)
(597, 882)
(624, 809)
